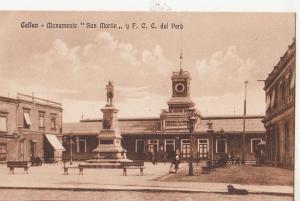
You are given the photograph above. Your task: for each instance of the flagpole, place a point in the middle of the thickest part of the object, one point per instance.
(244, 123)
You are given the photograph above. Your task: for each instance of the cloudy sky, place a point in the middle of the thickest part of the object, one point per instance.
(220, 50)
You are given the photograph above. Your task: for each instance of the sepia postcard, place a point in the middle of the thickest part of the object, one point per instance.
(147, 105)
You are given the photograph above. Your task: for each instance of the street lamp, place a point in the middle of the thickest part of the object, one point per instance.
(211, 132)
(69, 140)
(16, 136)
(212, 135)
(20, 137)
(244, 124)
(192, 120)
(23, 141)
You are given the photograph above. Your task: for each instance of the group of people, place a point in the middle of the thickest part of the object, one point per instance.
(173, 156)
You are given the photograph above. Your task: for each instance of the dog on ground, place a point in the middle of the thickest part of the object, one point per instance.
(235, 191)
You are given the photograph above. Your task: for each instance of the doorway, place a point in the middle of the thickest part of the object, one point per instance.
(203, 148)
(185, 149)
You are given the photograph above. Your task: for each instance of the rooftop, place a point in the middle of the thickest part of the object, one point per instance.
(282, 63)
(32, 99)
(230, 124)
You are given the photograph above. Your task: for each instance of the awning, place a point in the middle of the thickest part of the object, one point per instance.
(27, 118)
(54, 142)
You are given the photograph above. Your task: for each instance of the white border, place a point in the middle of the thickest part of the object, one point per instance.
(154, 5)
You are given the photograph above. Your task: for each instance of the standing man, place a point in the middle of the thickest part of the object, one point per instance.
(109, 93)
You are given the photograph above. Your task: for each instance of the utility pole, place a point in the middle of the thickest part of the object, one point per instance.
(244, 123)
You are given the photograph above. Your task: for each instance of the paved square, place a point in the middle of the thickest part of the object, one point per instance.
(51, 177)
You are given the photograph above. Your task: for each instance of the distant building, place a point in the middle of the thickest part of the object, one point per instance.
(280, 110)
(212, 136)
(30, 126)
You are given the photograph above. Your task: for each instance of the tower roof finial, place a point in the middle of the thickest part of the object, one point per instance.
(180, 57)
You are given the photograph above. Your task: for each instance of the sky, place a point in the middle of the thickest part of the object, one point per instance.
(72, 66)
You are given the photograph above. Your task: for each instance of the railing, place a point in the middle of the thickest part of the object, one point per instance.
(279, 109)
(41, 101)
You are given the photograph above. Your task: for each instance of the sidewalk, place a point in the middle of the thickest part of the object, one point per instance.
(51, 177)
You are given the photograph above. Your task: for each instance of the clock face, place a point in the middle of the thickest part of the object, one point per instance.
(179, 87)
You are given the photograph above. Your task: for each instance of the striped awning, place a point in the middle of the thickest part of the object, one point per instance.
(55, 143)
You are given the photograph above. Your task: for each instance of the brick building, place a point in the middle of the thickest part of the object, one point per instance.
(30, 126)
(212, 134)
(280, 110)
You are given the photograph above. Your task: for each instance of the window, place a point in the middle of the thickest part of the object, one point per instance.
(26, 120)
(254, 143)
(170, 145)
(286, 137)
(53, 122)
(3, 124)
(221, 145)
(203, 148)
(186, 148)
(3, 151)
(41, 121)
(81, 145)
(282, 88)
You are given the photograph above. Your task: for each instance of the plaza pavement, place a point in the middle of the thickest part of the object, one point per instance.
(50, 177)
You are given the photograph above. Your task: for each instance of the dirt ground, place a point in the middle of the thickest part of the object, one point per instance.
(239, 174)
(35, 195)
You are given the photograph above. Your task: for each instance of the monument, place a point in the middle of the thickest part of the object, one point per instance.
(109, 153)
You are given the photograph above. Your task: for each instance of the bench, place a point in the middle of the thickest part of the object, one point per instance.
(205, 169)
(133, 165)
(66, 169)
(18, 164)
(211, 165)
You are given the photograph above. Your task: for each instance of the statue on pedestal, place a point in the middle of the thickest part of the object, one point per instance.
(109, 93)
(109, 153)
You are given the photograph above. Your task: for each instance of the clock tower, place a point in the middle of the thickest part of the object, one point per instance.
(180, 99)
(176, 117)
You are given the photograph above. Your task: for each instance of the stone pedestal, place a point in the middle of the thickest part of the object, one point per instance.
(109, 152)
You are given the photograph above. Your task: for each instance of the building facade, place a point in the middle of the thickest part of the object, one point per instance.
(210, 136)
(30, 127)
(280, 110)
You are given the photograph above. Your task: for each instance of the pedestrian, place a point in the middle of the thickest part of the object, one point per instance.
(238, 161)
(173, 162)
(153, 157)
(177, 160)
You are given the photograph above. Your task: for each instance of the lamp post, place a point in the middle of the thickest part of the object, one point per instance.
(16, 136)
(211, 132)
(71, 148)
(244, 124)
(212, 135)
(192, 120)
(69, 140)
(23, 140)
(20, 137)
